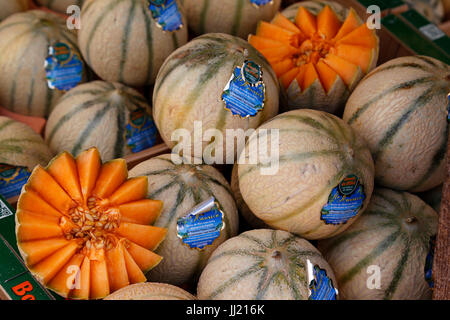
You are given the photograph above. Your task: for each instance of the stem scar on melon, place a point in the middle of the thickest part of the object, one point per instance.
(83, 227)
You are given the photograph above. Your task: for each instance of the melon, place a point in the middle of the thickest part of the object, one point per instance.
(433, 10)
(244, 210)
(182, 187)
(84, 228)
(133, 42)
(60, 5)
(108, 115)
(150, 291)
(191, 87)
(25, 40)
(400, 110)
(235, 17)
(318, 57)
(391, 241)
(265, 264)
(21, 149)
(10, 7)
(314, 6)
(318, 182)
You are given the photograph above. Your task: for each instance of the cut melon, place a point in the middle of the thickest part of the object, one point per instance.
(73, 219)
(344, 48)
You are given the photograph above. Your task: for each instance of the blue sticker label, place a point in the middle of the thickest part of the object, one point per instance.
(344, 201)
(140, 132)
(429, 263)
(202, 226)
(260, 3)
(166, 14)
(63, 67)
(12, 180)
(321, 286)
(244, 94)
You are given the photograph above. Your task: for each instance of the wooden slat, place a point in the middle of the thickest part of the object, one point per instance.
(441, 263)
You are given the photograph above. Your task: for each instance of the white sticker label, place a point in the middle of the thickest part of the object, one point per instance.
(432, 32)
(4, 210)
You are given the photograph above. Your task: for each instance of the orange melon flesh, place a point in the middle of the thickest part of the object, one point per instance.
(144, 258)
(358, 55)
(40, 249)
(346, 70)
(135, 274)
(117, 269)
(68, 277)
(141, 212)
(22, 215)
(148, 237)
(82, 292)
(361, 36)
(49, 267)
(32, 201)
(283, 22)
(328, 23)
(300, 75)
(33, 227)
(43, 183)
(131, 190)
(112, 175)
(351, 23)
(282, 67)
(270, 31)
(306, 21)
(99, 286)
(327, 75)
(64, 170)
(287, 78)
(88, 165)
(264, 43)
(310, 76)
(277, 54)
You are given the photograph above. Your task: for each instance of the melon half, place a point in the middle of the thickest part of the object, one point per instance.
(83, 228)
(318, 59)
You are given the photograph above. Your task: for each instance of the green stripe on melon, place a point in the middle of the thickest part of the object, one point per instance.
(191, 81)
(394, 234)
(94, 114)
(21, 146)
(317, 150)
(400, 110)
(125, 32)
(10, 7)
(261, 264)
(182, 187)
(235, 17)
(24, 43)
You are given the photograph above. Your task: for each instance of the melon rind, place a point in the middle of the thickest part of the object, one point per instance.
(151, 291)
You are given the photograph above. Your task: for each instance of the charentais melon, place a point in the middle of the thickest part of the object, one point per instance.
(10, 7)
(84, 229)
(151, 291)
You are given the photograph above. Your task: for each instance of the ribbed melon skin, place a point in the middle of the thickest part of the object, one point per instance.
(382, 237)
(94, 114)
(60, 5)
(24, 42)
(235, 17)
(21, 146)
(150, 291)
(400, 110)
(182, 187)
(317, 150)
(121, 41)
(10, 7)
(261, 264)
(191, 82)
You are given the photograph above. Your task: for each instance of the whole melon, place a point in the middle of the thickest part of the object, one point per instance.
(317, 183)
(400, 110)
(235, 17)
(391, 242)
(108, 115)
(10, 7)
(265, 264)
(121, 41)
(25, 39)
(182, 187)
(21, 146)
(150, 291)
(243, 208)
(191, 84)
(60, 5)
